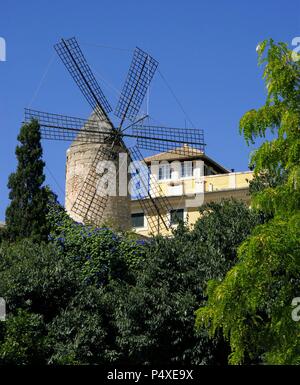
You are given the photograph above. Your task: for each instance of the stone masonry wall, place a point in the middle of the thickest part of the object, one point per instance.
(80, 157)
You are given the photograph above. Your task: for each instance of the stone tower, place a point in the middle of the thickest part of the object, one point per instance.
(80, 156)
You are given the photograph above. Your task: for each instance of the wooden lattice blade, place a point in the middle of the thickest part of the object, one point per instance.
(181, 141)
(140, 74)
(69, 128)
(152, 199)
(75, 62)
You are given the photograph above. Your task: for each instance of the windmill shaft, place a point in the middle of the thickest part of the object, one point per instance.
(134, 123)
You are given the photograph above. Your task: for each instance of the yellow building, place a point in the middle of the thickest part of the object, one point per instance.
(188, 181)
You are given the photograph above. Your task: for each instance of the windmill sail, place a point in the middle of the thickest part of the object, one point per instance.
(140, 74)
(75, 62)
(92, 198)
(69, 128)
(181, 141)
(96, 142)
(152, 199)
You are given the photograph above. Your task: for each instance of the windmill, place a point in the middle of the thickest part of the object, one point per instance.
(97, 141)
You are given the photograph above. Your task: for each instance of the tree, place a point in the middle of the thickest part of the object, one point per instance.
(59, 306)
(26, 214)
(252, 305)
(37, 283)
(101, 253)
(90, 296)
(24, 340)
(155, 317)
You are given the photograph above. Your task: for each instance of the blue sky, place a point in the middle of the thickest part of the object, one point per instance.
(206, 51)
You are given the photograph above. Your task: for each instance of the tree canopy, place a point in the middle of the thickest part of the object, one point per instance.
(92, 296)
(26, 214)
(252, 305)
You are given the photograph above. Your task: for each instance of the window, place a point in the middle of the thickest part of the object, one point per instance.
(137, 220)
(176, 216)
(164, 171)
(186, 169)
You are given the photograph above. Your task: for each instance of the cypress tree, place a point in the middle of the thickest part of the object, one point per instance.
(26, 214)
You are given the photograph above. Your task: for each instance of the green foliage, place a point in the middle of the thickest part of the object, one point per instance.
(81, 334)
(65, 284)
(54, 315)
(252, 305)
(101, 253)
(155, 316)
(280, 157)
(135, 304)
(221, 229)
(24, 339)
(26, 214)
(3, 234)
(36, 277)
